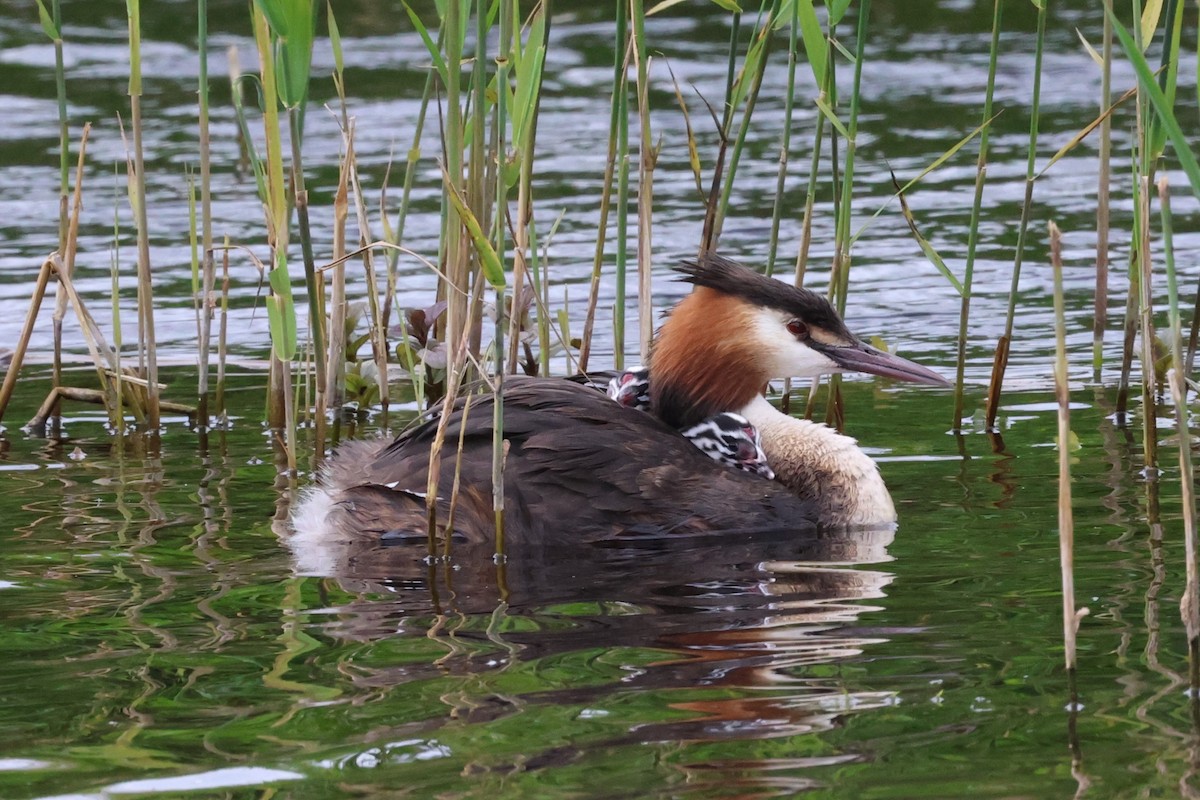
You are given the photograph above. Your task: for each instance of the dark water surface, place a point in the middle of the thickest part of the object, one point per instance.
(159, 640)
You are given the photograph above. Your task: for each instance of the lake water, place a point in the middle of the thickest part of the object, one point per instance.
(159, 640)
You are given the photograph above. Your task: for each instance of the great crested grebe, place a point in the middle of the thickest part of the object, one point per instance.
(582, 467)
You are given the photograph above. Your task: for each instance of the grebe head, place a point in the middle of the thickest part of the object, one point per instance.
(739, 329)
(731, 440)
(631, 388)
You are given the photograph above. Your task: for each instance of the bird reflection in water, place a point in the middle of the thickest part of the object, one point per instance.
(722, 631)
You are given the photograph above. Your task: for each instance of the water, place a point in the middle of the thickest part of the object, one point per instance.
(160, 641)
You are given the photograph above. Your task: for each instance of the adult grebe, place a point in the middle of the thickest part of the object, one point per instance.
(582, 467)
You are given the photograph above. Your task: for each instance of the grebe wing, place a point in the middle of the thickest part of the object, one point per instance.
(579, 467)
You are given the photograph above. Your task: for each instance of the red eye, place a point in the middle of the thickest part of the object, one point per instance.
(797, 328)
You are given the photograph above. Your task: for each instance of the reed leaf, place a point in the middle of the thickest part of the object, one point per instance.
(48, 23)
(1158, 99)
(837, 10)
(1087, 129)
(815, 44)
(1091, 51)
(294, 24)
(527, 72)
(728, 5)
(489, 259)
(832, 116)
(435, 52)
(928, 249)
(335, 39)
(1151, 12)
(281, 312)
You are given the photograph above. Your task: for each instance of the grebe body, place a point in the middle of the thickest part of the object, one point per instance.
(583, 467)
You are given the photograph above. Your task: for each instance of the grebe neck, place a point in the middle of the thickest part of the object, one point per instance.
(702, 363)
(818, 463)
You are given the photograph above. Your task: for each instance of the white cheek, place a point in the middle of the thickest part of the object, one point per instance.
(782, 355)
(795, 360)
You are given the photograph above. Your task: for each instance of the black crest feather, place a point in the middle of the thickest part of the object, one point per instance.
(730, 277)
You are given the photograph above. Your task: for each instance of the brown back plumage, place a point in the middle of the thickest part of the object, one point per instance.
(580, 467)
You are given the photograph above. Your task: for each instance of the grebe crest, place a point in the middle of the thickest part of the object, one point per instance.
(738, 329)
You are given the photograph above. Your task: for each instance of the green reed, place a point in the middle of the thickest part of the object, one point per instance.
(1190, 607)
(606, 189)
(621, 91)
(1103, 194)
(648, 155)
(52, 26)
(976, 207)
(207, 266)
(786, 140)
(137, 197)
(1000, 364)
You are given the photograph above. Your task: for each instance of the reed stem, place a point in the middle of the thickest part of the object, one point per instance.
(840, 279)
(648, 156)
(1146, 319)
(1190, 607)
(1000, 364)
(1103, 192)
(964, 313)
(64, 167)
(1066, 525)
(786, 141)
(585, 348)
(145, 287)
(207, 267)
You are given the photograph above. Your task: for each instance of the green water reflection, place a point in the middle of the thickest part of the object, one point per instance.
(154, 628)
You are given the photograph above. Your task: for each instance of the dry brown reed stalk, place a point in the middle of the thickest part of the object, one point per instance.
(336, 360)
(648, 156)
(207, 265)
(462, 437)
(17, 357)
(1146, 318)
(67, 250)
(375, 320)
(1190, 604)
(95, 397)
(1066, 524)
(456, 369)
(1100, 314)
(222, 336)
(137, 198)
(589, 320)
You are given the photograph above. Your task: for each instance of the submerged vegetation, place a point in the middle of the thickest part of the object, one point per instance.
(334, 356)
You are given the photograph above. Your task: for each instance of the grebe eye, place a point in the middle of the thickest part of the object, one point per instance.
(797, 328)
